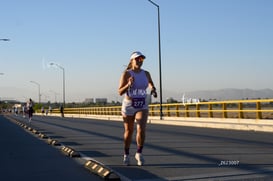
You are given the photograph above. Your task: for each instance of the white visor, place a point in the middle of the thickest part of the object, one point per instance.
(137, 54)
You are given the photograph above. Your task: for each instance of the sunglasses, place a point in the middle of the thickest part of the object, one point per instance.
(139, 59)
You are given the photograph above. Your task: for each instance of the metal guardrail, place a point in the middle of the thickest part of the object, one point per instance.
(255, 109)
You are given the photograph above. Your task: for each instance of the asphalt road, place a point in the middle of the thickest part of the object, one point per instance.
(171, 152)
(26, 158)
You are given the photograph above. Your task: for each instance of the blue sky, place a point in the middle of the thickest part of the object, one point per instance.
(205, 44)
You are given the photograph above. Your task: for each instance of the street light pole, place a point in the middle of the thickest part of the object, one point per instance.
(159, 56)
(39, 91)
(57, 65)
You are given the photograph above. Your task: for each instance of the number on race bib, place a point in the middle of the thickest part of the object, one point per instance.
(138, 102)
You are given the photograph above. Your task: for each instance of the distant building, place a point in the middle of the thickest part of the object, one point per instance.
(189, 100)
(101, 100)
(88, 100)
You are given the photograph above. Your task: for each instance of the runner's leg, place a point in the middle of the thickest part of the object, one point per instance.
(128, 133)
(141, 118)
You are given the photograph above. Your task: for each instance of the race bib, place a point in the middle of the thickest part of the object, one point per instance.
(138, 102)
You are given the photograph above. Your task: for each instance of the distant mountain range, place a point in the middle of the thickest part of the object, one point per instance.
(230, 94)
(12, 93)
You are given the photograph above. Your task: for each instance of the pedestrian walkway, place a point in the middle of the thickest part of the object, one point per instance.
(24, 157)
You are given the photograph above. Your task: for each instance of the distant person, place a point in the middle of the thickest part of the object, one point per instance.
(50, 109)
(13, 110)
(133, 83)
(62, 111)
(24, 110)
(43, 110)
(30, 110)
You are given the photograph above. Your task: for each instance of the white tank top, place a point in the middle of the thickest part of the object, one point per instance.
(138, 89)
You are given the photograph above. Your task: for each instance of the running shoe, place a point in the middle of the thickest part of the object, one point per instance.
(140, 159)
(126, 160)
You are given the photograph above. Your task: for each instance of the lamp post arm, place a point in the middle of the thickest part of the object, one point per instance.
(4, 39)
(154, 3)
